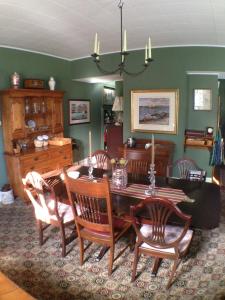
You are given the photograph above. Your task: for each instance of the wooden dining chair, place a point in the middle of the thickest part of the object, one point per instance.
(92, 209)
(183, 167)
(156, 237)
(101, 159)
(138, 163)
(47, 207)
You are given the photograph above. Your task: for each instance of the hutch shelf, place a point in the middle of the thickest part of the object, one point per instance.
(27, 113)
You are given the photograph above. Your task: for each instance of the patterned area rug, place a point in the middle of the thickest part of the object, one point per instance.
(47, 276)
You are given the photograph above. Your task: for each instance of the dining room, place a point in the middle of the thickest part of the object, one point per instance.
(124, 98)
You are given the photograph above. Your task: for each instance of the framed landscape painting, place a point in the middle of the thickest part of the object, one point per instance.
(79, 111)
(154, 110)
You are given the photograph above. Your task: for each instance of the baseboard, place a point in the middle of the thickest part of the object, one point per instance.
(209, 179)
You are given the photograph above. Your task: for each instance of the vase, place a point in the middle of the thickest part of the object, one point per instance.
(119, 177)
(15, 80)
(51, 83)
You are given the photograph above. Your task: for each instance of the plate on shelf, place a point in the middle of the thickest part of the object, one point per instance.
(31, 124)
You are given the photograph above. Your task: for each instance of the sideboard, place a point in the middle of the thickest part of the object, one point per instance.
(163, 154)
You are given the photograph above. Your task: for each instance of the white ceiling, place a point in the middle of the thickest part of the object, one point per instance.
(66, 28)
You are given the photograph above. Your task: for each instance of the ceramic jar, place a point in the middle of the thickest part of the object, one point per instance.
(15, 80)
(51, 83)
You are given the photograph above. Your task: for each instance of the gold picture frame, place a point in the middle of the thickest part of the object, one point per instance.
(155, 111)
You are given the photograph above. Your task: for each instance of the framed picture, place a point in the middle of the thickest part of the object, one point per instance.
(202, 99)
(155, 111)
(79, 111)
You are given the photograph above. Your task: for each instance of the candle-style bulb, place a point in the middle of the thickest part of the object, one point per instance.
(153, 150)
(125, 41)
(146, 54)
(149, 48)
(90, 146)
(98, 48)
(96, 43)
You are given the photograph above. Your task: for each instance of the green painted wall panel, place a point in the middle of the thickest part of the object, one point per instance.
(93, 92)
(167, 71)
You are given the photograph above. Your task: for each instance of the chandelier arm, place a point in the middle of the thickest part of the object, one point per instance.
(136, 73)
(106, 71)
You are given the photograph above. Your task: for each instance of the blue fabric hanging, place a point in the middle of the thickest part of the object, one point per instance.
(217, 154)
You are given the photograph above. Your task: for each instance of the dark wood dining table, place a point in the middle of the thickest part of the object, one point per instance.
(204, 207)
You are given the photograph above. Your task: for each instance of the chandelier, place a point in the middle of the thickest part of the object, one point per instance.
(121, 68)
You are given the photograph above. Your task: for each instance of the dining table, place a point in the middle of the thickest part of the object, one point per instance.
(199, 199)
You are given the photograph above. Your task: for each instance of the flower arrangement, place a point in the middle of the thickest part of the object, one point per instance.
(119, 173)
(119, 163)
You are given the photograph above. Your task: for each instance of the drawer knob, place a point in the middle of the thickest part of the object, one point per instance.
(36, 158)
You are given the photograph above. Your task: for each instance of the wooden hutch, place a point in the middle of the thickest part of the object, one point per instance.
(27, 113)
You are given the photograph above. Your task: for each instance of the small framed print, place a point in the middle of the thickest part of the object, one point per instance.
(79, 111)
(202, 99)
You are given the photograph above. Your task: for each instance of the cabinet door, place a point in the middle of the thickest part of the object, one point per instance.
(17, 123)
(57, 115)
(114, 140)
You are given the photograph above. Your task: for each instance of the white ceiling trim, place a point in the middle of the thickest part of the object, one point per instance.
(219, 74)
(158, 47)
(107, 53)
(37, 52)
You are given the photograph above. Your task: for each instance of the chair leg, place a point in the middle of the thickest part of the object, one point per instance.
(132, 239)
(40, 232)
(81, 251)
(136, 258)
(176, 263)
(63, 239)
(111, 259)
(156, 265)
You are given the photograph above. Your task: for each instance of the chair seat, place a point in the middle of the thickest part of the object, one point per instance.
(118, 225)
(65, 212)
(171, 234)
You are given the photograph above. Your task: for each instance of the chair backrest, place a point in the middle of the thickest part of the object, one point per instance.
(102, 159)
(138, 162)
(91, 204)
(138, 167)
(183, 167)
(156, 213)
(41, 195)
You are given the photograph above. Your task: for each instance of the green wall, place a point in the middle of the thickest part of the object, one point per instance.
(93, 92)
(201, 119)
(169, 70)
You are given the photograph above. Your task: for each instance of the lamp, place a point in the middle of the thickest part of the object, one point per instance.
(118, 104)
(118, 108)
(121, 68)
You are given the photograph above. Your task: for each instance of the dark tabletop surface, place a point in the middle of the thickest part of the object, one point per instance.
(205, 210)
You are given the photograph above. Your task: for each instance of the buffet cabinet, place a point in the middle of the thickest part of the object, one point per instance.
(163, 154)
(26, 114)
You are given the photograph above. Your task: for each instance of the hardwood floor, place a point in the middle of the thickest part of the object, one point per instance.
(10, 291)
